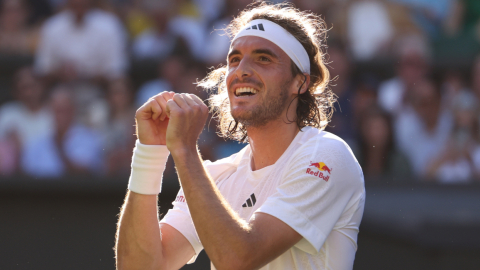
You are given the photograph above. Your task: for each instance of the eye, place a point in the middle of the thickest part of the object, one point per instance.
(263, 58)
(234, 59)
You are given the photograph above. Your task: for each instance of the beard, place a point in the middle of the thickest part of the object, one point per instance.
(269, 109)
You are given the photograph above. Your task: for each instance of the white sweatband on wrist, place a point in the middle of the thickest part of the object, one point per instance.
(282, 38)
(148, 164)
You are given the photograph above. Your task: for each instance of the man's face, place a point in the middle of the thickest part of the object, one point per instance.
(259, 81)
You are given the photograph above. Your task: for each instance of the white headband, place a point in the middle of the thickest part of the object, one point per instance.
(282, 38)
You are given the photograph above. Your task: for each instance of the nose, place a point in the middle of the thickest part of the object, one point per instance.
(244, 68)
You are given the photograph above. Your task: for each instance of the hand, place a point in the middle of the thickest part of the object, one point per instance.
(188, 115)
(152, 120)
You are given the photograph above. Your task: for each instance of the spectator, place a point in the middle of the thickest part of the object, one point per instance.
(217, 41)
(172, 74)
(457, 162)
(171, 33)
(342, 85)
(369, 29)
(81, 43)
(429, 15)
(210, 9)
(159, 41)
(70, 149)
(119, 133)
(24, 119)
(377, 154)
(463, 19)
(413, 59)
(476, 77)
(423, 128)
(452, 85)
(15, 35)
(136, 18)
(364, 97)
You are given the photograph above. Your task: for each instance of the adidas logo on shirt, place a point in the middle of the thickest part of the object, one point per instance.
(256, 27)
(251, 201)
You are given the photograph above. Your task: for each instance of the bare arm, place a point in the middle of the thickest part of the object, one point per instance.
(141, 242)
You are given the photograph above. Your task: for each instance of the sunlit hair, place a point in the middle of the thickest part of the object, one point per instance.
(315, 105)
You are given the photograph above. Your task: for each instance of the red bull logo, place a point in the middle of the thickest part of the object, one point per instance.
(180, 198)
(322, 167)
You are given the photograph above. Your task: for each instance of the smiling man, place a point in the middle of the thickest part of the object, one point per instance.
(291, 199)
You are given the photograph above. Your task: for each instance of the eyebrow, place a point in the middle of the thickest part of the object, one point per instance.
(257, 51)
(234, 52)
(265, 51)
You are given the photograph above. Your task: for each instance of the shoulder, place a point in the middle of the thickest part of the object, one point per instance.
(329, 155)
(320, 143)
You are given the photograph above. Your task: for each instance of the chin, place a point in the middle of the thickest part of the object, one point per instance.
(240, 114)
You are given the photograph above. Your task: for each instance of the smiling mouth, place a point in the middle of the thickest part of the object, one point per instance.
(245, 91)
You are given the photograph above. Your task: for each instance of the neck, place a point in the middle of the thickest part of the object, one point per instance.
(270, 141)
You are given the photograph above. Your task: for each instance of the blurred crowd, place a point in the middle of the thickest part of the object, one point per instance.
(406, 74)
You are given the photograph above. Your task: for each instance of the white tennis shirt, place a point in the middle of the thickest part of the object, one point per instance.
(316, 187)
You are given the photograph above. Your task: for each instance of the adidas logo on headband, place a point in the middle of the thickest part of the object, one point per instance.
(281, 37)
(260, 27)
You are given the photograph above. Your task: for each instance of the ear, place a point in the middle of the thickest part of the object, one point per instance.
(303, 81)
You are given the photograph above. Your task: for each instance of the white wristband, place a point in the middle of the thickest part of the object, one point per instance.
(148, 164)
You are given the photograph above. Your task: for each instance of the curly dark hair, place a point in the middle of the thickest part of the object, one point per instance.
(315, 105)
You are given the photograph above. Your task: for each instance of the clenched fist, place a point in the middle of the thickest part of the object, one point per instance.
(188, 115)
(174, 120)
(152, 120)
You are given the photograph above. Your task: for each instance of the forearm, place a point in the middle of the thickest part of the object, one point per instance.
(224, 235)
(138, 243)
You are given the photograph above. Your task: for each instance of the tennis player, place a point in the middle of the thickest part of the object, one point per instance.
(293, 198)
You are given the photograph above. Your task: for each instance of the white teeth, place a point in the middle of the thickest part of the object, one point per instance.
(245, 90)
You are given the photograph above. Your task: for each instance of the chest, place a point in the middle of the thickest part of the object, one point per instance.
(245, 190)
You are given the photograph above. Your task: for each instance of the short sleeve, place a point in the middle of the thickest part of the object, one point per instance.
(179, 218)
(322, 182)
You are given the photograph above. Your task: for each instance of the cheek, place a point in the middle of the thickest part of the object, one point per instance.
(229, 76)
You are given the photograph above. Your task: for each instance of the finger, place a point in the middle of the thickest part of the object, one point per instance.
(189, 100)
(150, 110)
(163, 105)
(196, 98)
(172, 106)
(200, 102)
(168, 95)
(179, 99)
